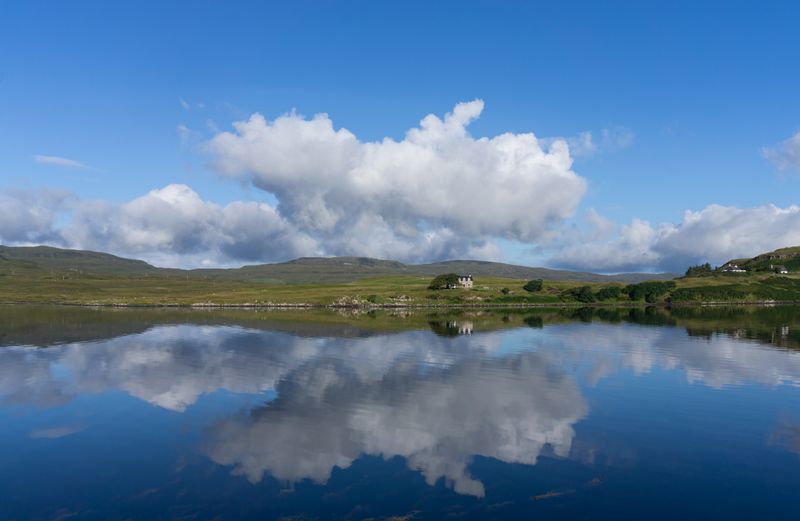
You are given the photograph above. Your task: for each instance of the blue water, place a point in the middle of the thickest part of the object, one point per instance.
(551, 416)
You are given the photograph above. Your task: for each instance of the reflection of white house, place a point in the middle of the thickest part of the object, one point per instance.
(733, 268)
(464, 327)
(465, 281)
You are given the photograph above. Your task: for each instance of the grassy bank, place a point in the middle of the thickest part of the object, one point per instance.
(389, 291)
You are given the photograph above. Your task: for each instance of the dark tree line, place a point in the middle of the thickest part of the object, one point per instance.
(700, 269)
(648, 291)
(448, 280)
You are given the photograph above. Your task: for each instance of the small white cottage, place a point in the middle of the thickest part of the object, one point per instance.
(733, 268)
(465, 281)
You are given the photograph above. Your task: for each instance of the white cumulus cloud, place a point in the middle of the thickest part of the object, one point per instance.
(437, 193)
(174, 221)
(170, 226)
(439, 181)
(28, 217)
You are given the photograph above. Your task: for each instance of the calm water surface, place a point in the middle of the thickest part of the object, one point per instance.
(631, 414)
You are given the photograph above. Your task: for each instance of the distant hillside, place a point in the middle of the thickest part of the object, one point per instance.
(312, 269)
(788, 257)
(303, 270)
(349, 269)
(57, 259)
(765, 262)
(498, 269)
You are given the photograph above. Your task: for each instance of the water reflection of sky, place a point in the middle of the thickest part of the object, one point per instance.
(294, 409)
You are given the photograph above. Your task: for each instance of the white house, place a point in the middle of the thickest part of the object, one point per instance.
(465, 281)
(733, 268)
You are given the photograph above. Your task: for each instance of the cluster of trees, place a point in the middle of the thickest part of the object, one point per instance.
(448, 280)
(609, 293)
(581, 294)
(649, 291)
(699, 270)
(533, 285)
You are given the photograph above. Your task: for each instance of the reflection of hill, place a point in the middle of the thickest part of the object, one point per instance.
(777, 326)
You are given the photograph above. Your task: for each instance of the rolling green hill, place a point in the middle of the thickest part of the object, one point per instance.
(303, 270)
(498, 269)
(57, 259)
(50, 275)
(765, 263)
(349, 269)
(788, 257)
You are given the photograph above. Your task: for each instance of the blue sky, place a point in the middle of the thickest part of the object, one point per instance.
(688, 104)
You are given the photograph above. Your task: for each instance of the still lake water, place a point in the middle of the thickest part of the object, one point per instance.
(609, 414)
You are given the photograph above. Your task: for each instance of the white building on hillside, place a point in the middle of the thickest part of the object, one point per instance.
(733, 268)
(778, 268)
(465, 281)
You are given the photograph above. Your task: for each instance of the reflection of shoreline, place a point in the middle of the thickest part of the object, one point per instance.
(53, 325)
(171, 366)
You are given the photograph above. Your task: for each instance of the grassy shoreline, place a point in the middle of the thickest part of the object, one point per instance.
(415, 306)
(393, 292)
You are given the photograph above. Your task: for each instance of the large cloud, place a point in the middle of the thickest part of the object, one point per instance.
(714, 234)
(438, 182)
(29, 217)
(175, 220)
(438, 193)
(170, 226)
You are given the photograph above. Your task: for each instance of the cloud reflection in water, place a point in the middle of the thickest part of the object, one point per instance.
(436, 401)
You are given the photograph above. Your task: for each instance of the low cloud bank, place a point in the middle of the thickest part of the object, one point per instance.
(714, 234)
